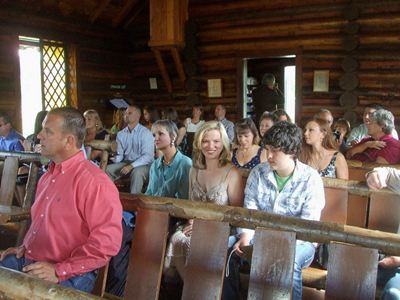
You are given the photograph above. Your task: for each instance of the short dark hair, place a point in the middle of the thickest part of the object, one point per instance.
(74, 123)
(171, 114)
(271, 116)
(6, 117)
(286, 136)
(138, 110)
(153, 113)
(375, 105)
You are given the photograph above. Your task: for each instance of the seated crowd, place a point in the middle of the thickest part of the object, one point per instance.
(287, 165)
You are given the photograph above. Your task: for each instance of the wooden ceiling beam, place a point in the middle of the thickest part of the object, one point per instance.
(97, 12)
(178, 65)
(137, 12)
(122, 13)
(163, 70)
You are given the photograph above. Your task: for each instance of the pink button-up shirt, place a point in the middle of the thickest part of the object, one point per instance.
(76, 218)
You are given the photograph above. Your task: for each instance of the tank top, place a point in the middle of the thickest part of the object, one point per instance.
(218, 194)
(330, 170)
(193, 127)
(251, 164)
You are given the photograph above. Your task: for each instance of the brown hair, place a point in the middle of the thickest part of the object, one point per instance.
(328, 141)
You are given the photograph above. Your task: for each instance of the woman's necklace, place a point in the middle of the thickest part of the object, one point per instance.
(315, 164)
(168, 163)
(246, 152)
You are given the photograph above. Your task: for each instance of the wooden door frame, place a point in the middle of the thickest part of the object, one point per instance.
(243, 56)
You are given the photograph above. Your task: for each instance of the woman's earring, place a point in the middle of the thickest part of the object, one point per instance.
(173, 142)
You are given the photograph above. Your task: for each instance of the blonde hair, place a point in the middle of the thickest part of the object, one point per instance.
(99, 125)
(198, 158)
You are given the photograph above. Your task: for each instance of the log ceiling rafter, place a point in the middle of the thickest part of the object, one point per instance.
(122, 13)
(144, 4)
(97, 12)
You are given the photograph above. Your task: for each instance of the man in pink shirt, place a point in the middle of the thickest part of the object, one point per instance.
(76, 218)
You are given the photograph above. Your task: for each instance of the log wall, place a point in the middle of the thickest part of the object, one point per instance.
(318, 28)
(222, 30)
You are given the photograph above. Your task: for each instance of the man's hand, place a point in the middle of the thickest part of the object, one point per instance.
(390, 262)
(188, 228)
(354, 142)
(17, 251)
(125, 170)
(42, 270)
(375, 180)
(376, 144)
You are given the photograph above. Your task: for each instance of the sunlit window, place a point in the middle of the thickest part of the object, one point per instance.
(43, 78)
(290, 91)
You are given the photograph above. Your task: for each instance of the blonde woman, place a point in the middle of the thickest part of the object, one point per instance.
(213, 179)
(94, 130)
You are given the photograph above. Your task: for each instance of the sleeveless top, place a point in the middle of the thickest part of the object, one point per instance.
(330, 170)
(251, 164)
(193, 127)
(217, 195)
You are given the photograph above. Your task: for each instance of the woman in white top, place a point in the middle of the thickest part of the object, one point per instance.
(192, 124)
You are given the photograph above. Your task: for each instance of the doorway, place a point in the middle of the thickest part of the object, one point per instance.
(252, 65)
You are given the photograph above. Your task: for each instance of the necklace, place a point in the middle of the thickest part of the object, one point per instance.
(168, 163)
(315, 164)
(245, 152)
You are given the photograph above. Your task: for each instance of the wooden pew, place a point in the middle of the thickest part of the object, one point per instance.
(17, 216)
(313, 231)
(150, 209)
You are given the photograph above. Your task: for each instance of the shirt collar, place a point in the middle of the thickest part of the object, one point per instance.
(68, 164)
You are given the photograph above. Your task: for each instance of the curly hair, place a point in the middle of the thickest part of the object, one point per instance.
(285, 136)
(198, 158)
(383, 117)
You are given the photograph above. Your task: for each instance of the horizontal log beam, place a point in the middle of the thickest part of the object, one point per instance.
(26, 157)
(368, 165)
(313, 231)
(18, 286)
(110, 146)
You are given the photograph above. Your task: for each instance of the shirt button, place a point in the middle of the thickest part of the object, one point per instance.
(64, 273)
(83, 267)
(34, 232)
(53, 180)
(42, 215)
(63, 172)
(29, 251)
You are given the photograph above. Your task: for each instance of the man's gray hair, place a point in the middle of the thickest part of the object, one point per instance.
(323, 110)
(268, 79)
(383, 117)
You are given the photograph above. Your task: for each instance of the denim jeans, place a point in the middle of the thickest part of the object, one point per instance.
(84, 282)
(391, 279)
(303, 258)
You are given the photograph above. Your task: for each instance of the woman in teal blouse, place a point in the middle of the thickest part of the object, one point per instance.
(169, 177)
(169, 174)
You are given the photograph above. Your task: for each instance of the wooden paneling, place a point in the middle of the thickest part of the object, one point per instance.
(122, 55)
